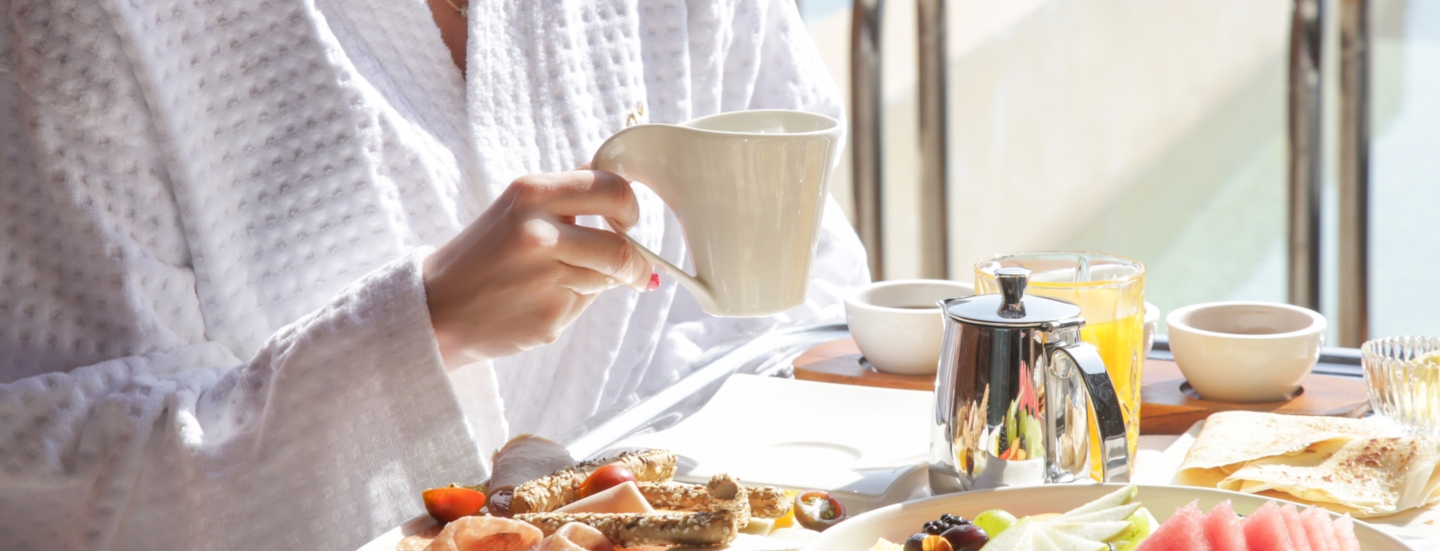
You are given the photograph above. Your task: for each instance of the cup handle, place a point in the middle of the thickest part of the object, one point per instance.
(701, 293)
(1114, 450)
(617, 155)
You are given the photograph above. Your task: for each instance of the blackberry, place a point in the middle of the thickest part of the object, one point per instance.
(953, 520)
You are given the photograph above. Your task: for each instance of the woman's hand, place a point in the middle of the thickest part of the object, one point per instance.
(523, 271)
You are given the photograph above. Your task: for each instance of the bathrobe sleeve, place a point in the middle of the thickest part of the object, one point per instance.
(133, 413)
(323, 438)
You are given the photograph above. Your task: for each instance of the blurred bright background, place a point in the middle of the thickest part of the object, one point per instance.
(1156, 131)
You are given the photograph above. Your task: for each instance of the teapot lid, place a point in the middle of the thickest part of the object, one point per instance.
(1011, 308)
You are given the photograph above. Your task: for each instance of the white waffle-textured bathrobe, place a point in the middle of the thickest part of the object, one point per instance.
(213, 331)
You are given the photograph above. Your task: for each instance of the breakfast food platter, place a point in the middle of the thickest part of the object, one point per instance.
(628, 500)
(897, 523)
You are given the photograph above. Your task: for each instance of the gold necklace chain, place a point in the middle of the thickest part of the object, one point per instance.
(462, 9)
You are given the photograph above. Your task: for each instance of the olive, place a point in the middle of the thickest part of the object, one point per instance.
(818, 510)
(966, 537)
(500, 503)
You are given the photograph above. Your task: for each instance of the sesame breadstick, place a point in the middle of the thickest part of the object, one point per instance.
(561, 488)
(646, 529)
(765, 501)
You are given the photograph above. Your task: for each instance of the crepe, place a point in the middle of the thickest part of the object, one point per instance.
(1345, 465)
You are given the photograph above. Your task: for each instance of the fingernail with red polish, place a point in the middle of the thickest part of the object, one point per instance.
(654, 282)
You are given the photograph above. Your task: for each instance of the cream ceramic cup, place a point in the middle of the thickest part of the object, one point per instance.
(748, 188)
(1245, 351)
(898, 324)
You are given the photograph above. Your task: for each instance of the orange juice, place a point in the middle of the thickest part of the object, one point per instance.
(1120, 343)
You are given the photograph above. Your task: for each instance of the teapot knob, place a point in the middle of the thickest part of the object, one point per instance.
(1012, 288)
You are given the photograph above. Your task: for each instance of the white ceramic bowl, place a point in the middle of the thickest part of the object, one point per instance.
(898, 324)
(1245, 351)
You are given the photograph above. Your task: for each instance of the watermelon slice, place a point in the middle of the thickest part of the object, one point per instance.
(1298, 539)
(1181, 532)
(1345, 534)
(1265, 530)
(1329, 530)
(1315, 520)
(1224, 530)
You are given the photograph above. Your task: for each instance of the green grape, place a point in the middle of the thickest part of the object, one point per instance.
(1142, 524)
(994, 521)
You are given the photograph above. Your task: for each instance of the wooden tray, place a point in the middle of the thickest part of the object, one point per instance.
(839, 361)
(1165, 407)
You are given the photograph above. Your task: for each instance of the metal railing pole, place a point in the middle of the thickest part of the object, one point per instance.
(1354, 182)
(934, 227)
(866, 109)
(1304, 152)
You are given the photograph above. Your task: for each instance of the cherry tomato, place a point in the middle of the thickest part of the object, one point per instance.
(605, 478)
(818, 510)
(447, 504)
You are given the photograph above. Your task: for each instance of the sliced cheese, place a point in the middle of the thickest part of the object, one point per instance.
(759, 526)
(624, 498)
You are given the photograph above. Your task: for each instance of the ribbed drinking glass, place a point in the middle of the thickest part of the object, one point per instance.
(1403, 375)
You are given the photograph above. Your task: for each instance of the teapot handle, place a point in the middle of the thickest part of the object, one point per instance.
(1114, 450)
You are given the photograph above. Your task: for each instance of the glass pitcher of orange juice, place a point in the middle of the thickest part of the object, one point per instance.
(1110, 291)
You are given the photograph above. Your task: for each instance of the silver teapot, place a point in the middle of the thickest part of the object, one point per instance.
(1012, 391)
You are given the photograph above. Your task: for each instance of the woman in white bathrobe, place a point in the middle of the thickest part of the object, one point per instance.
(214, 224)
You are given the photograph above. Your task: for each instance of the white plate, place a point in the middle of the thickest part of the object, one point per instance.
(857, 442)
(897, 522)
